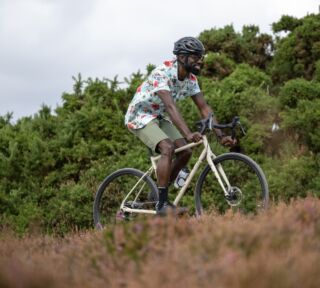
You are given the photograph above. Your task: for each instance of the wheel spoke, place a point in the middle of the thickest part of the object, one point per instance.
(248, 191)
(114, 190)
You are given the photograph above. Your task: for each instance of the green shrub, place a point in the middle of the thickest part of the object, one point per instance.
(304, 120)
(247, 47)
(245, 77)
(316, 76)
(52, 163)
(243, 93)
(296, 53)
(296, 90)
(293, 178)
(255, 140)
(217, 66)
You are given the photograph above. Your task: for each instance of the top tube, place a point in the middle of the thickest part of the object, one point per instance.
(189, 145)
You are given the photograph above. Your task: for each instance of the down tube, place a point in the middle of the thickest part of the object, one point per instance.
(191, 175)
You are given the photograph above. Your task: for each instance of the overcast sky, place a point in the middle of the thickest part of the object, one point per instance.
(43, 43)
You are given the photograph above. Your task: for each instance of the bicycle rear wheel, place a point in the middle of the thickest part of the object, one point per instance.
(248, 187)
(113, 190)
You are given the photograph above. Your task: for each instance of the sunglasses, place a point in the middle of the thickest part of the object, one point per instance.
(197, 58)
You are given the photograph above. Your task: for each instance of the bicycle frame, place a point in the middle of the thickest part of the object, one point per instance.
(206, 154)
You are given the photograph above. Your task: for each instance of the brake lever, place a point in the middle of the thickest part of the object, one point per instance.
(201, 126)
(210, 122)
(242, 129)
(235, 121)
(234, 124)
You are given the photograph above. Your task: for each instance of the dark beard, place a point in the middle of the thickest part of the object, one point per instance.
(192, 69)
(195, 70)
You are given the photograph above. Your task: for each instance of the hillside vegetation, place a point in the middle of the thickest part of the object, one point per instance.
(51, 163)
(276, 249)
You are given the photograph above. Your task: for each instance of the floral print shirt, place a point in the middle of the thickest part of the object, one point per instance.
(146, 105)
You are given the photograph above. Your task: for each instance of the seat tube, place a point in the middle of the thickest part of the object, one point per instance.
(195, 167)
(190, 176)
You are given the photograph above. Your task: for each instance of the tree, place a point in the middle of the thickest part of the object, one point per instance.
(296, 54)
(247, 47)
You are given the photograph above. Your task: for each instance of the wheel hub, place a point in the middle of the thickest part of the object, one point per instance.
(234, 196)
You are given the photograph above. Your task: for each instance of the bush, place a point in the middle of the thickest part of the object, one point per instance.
(245, 77)
(217, 66)
(296, 90)
(297, 53)
(304, 120)
(243, 93)
(255, 140)
(316, 76)
(247, 47)
(52, 163)
(293, 178)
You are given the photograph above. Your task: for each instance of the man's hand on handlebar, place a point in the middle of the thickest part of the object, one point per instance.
(227, 141)
(209, 124)
(194, 137)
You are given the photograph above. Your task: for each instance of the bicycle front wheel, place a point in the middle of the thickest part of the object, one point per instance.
(246, 186)
(113, 191)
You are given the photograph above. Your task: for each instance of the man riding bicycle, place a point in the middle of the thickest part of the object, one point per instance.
(155, 99)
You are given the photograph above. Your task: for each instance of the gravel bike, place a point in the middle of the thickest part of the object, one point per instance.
(228, 180)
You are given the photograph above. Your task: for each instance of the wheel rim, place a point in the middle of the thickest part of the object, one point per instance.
(107, 205)
(244, 180)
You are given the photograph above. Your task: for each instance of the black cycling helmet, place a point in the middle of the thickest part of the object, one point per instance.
(187, 46)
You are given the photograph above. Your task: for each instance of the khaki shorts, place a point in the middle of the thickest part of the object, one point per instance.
(156, 131)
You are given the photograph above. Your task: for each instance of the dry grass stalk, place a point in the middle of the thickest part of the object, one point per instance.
(280, 248)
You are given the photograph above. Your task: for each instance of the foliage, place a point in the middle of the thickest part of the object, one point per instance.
(317, 72)
(243, 93)
(274, 249)
(295, 177)
(217, 66)
(52, 163)
(296, 90)
(286, 23)
(297, 53)
(300, 102)
(304, 120)
(247, 47)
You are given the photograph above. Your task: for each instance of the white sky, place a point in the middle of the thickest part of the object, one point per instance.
(43, 43)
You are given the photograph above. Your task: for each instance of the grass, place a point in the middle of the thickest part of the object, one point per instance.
(280, 248)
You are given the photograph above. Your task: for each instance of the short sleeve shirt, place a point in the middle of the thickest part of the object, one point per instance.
(146, 104)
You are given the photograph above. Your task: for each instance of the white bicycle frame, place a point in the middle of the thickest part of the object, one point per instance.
(205, 154)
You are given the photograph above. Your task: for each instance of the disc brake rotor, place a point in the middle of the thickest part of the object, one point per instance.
(234, 196)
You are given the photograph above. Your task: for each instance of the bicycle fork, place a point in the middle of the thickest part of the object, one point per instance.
(218, 171)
